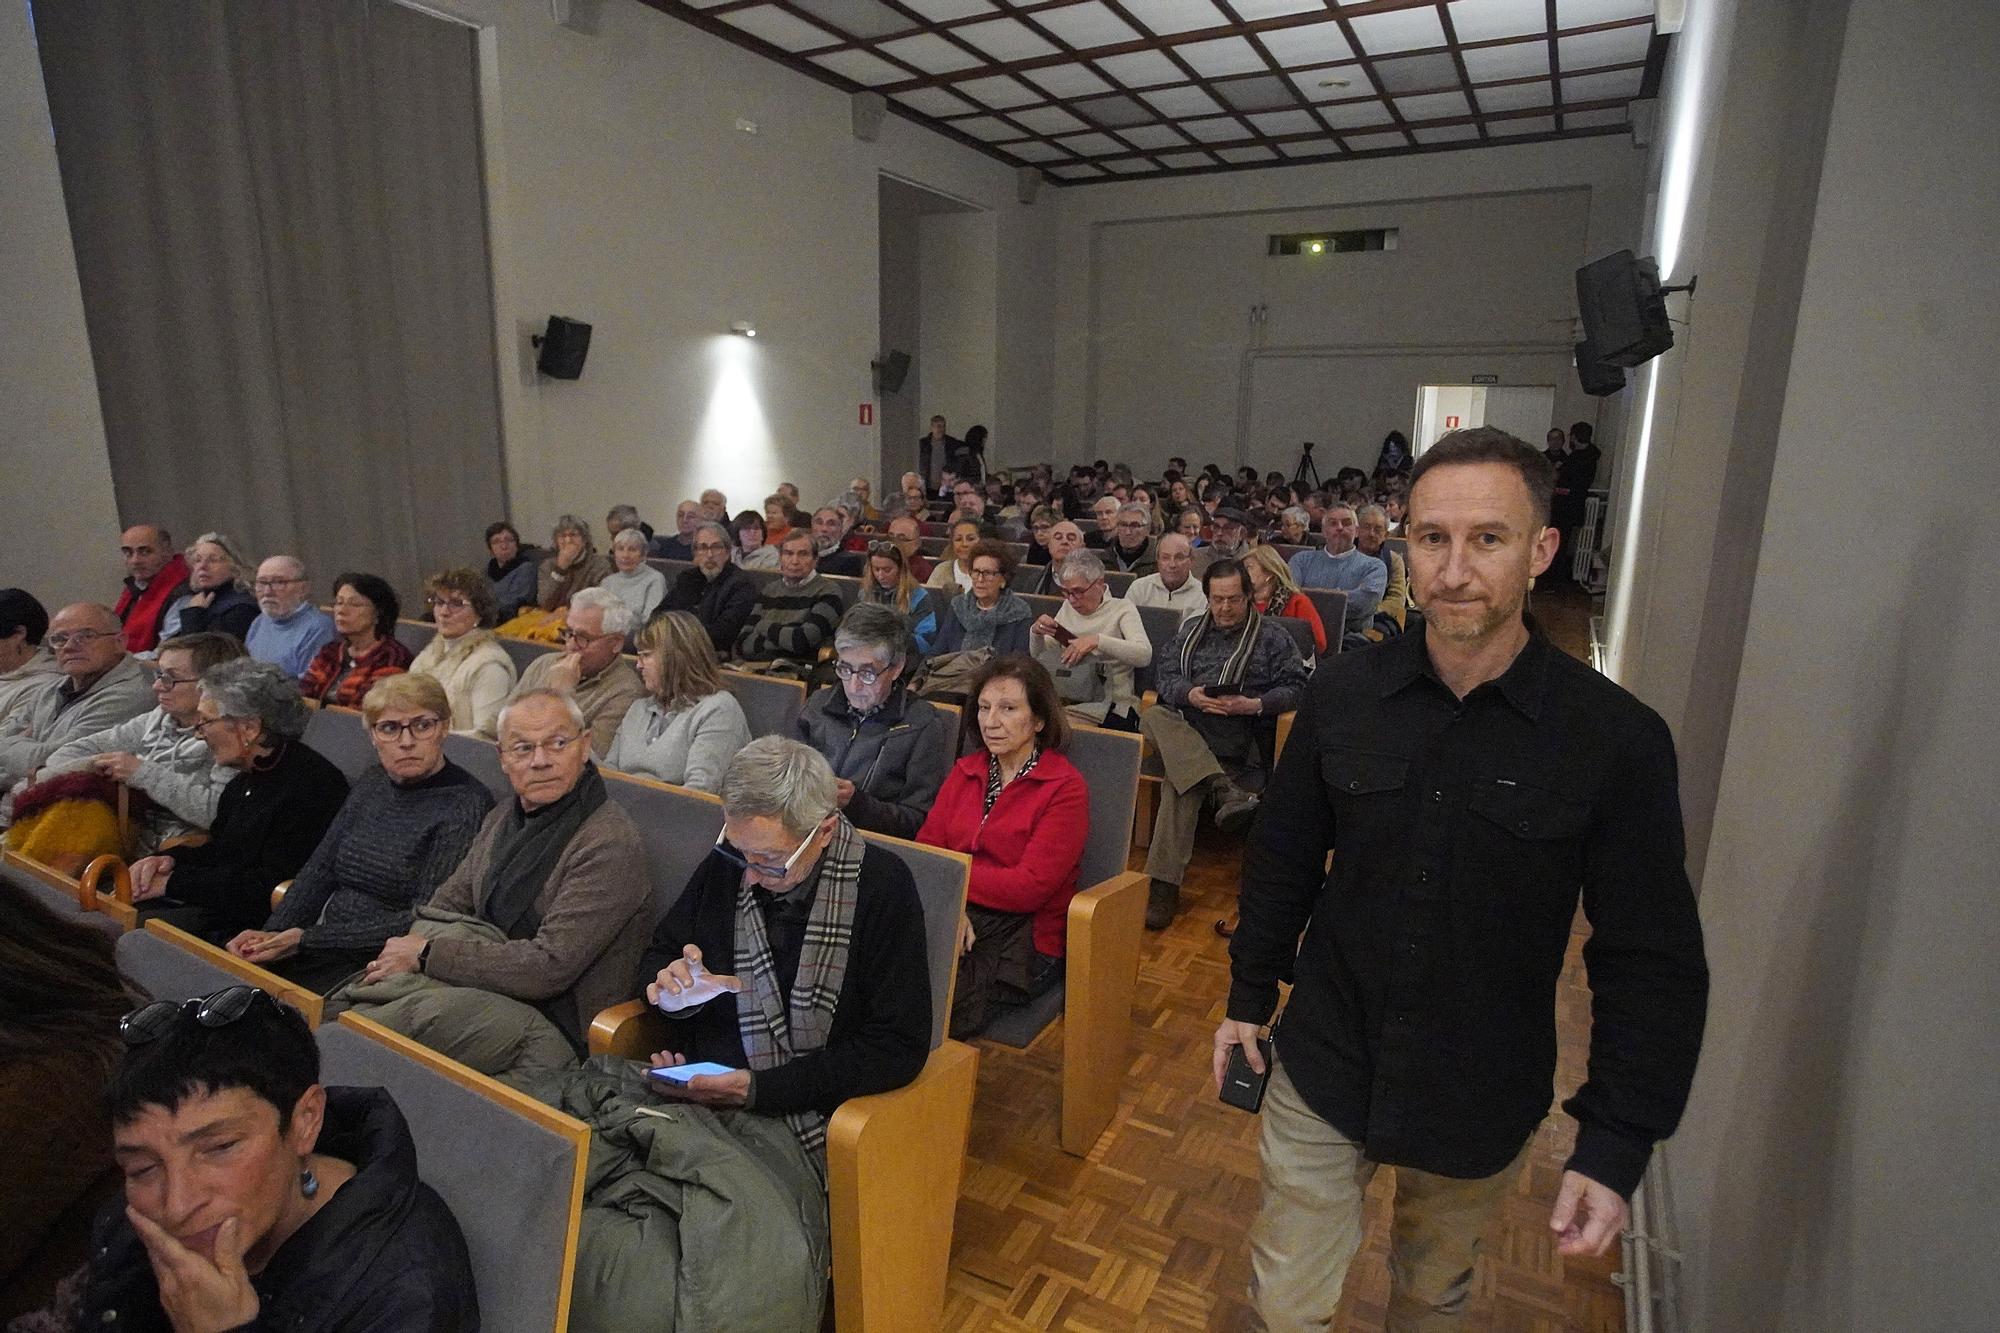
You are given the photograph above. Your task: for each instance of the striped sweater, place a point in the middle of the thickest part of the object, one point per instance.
(791, 621)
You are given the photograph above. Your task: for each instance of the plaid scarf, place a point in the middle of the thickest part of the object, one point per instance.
(1238, 660)
(772, 1033)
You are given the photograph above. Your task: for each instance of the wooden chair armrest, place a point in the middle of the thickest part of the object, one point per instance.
(632, 1031)
(1285, 721)
(117, 904)
(308, 1002)
(278, 894)
(893, 1163)
(1106, 924)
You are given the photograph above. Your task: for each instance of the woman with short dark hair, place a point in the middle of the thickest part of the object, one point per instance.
(1023, 813)
(365, 611)
(753, 550)
(989, 615)
(510, 572)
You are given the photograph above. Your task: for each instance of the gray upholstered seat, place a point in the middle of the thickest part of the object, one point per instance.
(1332, 607)
(771, 704)
(1109, 762)
(481, 758)
(342, 739)
(941, 878)
(679, 827)
(525, 653)
(507, 1171)
(415, 635)
(166, 971)
(47, 895)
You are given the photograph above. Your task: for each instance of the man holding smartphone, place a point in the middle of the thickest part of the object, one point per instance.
(1222, 683)
(1470, 780)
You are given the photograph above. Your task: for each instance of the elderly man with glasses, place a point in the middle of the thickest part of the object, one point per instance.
(100, 685)
(796, 956)
(720, 595)
(560, 871)
(289, 631)
(590, 668)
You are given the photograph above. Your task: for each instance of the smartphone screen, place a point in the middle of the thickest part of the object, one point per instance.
(682, 1073)
(1062, 635)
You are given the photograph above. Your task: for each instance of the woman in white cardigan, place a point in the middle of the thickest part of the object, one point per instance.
(464, 656)
(690, 727)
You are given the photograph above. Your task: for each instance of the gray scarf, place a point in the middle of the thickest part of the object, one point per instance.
(980, 624)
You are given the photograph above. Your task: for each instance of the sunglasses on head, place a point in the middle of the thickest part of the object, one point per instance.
(216, 1010)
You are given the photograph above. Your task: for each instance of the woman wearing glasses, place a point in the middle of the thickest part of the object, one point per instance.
(365, 609)
(889, 749)
(573, 564)
(271, 816)
(1023, 813)
(406, 825)
(256, 1197)
(689, 725)
(814, 943)
(989, 616)
(465, 657)
(892, 583)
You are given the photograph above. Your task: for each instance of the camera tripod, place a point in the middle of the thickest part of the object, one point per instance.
(1306, 467)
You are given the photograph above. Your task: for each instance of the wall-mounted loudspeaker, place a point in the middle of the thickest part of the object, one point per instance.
(1598, 379)
(1624, 309)
(561, 348)
(891, 371)
(1027, 183)
(868, 110)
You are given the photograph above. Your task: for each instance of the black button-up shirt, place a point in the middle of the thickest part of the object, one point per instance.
(1422, 1024)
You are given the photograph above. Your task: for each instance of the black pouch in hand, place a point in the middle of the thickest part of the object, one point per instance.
(1242, 1086)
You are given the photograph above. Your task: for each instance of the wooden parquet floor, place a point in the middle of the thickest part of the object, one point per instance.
(1148, 1232)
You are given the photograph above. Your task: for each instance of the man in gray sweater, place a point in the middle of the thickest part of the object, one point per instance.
(100, 686)
(560, 870)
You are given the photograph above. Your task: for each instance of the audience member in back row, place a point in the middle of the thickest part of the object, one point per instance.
(637, 584)
(25, 663)
(60, 1000)
(161, 753)
(819, 936)
(753, 550)
(560, 870)
(990, 616)
(1342, 568)
(571, 567)
(365, 611)
(1232, 533)
(97, 685)
(1092, 644)
(511, 570)
(1371, 537)
(721, 596)
(1222, 684)
(255, 1197)
(889, 749)
(679, 544)
(464, 656)
(1131, 546)
(405, 826)
(794, 614)
(1064, 538)
(688, 724)
(1173, 585)
(591, 668)
(269, 819)
(215, 598)
(155, 574)
(953, 574)
(1023, 813)
(891, 583)
(290, 630)
(1273, 593)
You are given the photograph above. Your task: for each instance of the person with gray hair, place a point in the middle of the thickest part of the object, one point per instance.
(590, 669)
(718, 593)
(1092, 644)
(96, 684)
(215, 598)
(889, 749)
(1132, 548)
(572, 565)
(620, 517)
(291, 630)
(796, 956)
(637, 583)
(270, 817)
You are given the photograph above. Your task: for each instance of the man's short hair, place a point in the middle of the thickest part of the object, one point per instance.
(1490, 444)
(19, 609)
(495, 529)
(796, 535)
(617, 611)
(719, 530)
(627, 515)
(569, 705)
(875, 629)
(1143, 510)
(1377, 510)
(1582, 432)
(269, 1052)
(1225, 568)
(782, 779)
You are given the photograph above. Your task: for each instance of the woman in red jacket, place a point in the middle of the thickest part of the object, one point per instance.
(1021, 811)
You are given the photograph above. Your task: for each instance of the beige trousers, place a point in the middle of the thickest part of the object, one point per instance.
(1309, 1227)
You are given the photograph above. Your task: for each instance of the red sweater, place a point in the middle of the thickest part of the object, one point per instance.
(142, 612)
(1026, 853)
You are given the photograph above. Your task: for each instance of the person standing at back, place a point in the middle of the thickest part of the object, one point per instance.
(1471, 780)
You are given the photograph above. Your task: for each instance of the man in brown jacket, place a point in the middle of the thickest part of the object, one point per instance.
(560, 869)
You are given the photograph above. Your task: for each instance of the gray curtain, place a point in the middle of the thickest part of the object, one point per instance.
(280, 230)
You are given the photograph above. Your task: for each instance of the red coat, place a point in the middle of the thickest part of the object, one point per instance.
(1026, 853)
(142, 612)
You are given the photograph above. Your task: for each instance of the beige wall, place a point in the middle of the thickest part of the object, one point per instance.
(59, 538)
(959, 266)
(1835, 1170)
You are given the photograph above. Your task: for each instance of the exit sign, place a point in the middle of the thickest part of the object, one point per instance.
(1485, 379)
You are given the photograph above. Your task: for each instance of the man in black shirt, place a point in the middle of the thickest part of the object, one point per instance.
(1470, 779)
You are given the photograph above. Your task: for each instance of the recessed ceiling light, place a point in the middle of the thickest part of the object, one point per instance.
(1335, 83)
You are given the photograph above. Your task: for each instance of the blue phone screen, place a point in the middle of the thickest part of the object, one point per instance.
(682, 1073)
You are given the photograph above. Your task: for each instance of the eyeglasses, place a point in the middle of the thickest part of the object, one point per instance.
(216, 1010)
(867, 675)
(202, 724)
(1078, 594)
(423, 728)
(888, 549)
(759, 868)
(711, 546)
(579, 639)
(520, 752)
(450, 604)
(168, 680)
(79, 637)
(275, 583)
(979, 573)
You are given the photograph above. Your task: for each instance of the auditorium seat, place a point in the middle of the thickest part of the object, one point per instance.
(170, 964)
(771, 704)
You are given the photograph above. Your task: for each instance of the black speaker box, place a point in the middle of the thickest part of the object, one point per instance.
(1598, 378)
(562, 348)
(891, 371)
(1624, 312)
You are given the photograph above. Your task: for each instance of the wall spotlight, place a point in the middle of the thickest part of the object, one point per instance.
(1315, 247)
(744, 327)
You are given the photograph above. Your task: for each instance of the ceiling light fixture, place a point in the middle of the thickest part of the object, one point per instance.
(744, 327)
(1335, 83)
(1315, 247)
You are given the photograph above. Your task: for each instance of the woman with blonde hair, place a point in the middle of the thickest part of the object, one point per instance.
(1274, 592)
(690, 725)
(216, 599)
(889, 581)
(464, 656)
